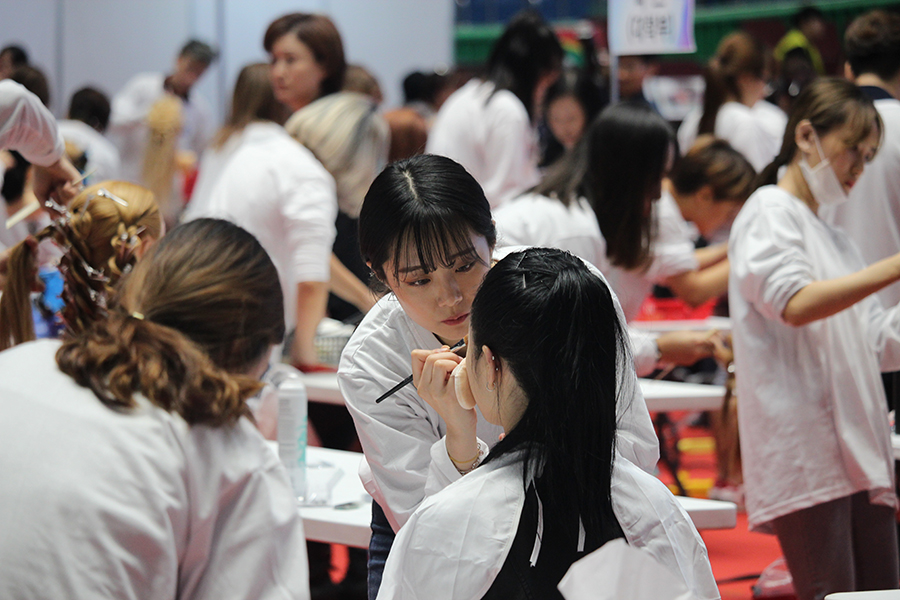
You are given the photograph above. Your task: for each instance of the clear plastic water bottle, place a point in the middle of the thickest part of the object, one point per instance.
(291, 423)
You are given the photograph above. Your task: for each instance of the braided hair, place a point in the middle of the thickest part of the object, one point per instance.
(102, 234)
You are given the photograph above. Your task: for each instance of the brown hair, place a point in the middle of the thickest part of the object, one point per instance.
(828, 103)
(194, 316)
(738, 53)
(323, 39)
(253, 100)
(101, 239)
(872, 44)
(713, 162)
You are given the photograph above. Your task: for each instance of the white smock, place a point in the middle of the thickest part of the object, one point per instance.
(127, 121)
(102, 156)
(135, 504)
(455, 544)
(872, 215)
(536, 220)
(209, 170)
(27, 127)
(275, 188)
(398, 435)
(747, 131)
(672, 253)
(490, 134)
(812, 416)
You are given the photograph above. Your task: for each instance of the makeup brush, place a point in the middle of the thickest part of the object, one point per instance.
(457, 346)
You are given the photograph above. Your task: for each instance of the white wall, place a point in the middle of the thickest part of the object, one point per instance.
(105, 42)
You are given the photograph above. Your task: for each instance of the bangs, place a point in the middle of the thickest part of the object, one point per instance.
(860, 123)
(433, 242)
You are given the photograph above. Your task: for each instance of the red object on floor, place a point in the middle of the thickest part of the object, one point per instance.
(737, 552)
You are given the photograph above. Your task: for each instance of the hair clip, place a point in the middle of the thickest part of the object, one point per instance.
(104, 193)
(136, 315)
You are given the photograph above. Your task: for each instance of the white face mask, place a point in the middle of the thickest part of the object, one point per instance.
(822, 181)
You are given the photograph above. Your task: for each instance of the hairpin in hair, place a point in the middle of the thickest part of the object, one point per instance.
(104, 193)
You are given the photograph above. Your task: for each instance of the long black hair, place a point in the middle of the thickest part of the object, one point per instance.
(427, 202)
(527, 50)
(618, 160)
(554, 324)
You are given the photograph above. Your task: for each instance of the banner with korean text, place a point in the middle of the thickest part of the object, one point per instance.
(651, 27)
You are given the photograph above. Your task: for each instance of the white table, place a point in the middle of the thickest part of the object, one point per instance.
(873, 595)
(722, 324)
(895, 442)
(350, 525)
(659, 395)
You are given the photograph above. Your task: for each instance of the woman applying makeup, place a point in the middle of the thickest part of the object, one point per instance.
(426, 232)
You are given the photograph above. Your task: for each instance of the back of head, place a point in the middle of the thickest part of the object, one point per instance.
(527, 50)
(349, 138)
(360, 80)
(554, 324)
(738, 53)
(16, 55)
(90, 106)
(199, 51)
(429, 203)
(34, 81)
(712, 161)
(204, 306)
(319, 33)
(102, 239)
(828, 103)
(872, 44)
(253, 100)
(619, 161)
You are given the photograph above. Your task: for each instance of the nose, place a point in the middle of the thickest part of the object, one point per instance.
(450, 293)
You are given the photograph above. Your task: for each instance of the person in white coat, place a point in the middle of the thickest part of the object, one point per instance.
(554, 488)
(735, 81)
(487, 126)
(266, 182)
(131, 467)
(132, 104)
(426, 231)
(84, 129)
(810, 341)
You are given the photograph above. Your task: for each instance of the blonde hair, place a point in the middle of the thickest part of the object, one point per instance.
(190, 322)
(101, 240)
(349, 138)
(164, 122)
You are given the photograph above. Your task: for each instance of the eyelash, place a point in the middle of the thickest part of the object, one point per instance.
(420, 282)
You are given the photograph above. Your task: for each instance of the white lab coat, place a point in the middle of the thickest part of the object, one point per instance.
(212, 165)
(813, 418)
(102, 156)
(872, 215)
(455, 544)
(135, 503)
(491, 136)
(398, 434)
(748, 131)
(535, 220)
(128, 130)
(27, 127)
(275, 188)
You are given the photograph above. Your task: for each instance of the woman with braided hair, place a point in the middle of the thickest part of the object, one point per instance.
(106, 229)
(130, 467)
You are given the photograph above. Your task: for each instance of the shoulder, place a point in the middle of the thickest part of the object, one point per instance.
(144, 82)
(381, 345)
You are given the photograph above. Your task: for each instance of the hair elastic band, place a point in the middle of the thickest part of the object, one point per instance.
(137, 315)
(464, 462)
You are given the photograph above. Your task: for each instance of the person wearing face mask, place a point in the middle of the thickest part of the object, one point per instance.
(811, 339)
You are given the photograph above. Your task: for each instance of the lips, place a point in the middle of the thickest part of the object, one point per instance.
(457, 320)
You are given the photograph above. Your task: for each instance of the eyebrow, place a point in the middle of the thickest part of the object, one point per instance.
(467, 252)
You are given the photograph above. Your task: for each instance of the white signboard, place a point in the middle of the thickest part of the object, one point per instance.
(651, 27)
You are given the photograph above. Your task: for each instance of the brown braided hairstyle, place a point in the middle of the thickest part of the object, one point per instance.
(197, 314)
(101, 239)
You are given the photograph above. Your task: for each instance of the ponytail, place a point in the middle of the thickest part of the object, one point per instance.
(738, 53)
(16, 320)
(124, 354)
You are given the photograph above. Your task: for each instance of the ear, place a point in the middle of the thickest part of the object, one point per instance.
(804, 137)
(848, 71)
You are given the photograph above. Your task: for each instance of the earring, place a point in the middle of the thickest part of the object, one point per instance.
(491, 389)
